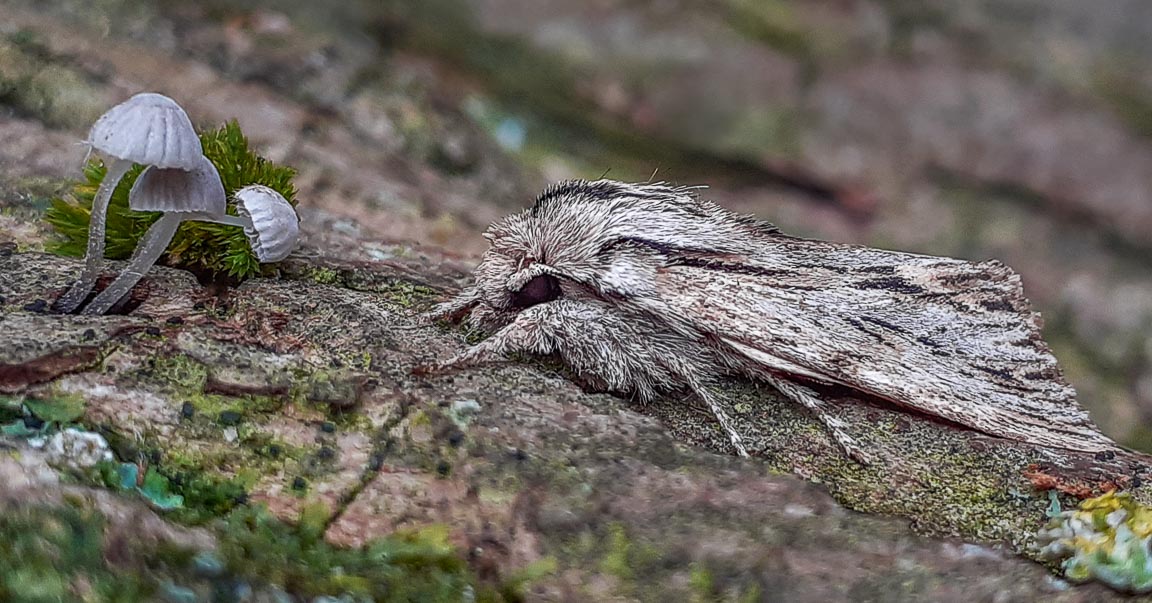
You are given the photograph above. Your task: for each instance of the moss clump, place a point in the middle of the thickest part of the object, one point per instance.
(201, 247)
(410, 566)
(58, 554)
(50, 554)
(1106, 539)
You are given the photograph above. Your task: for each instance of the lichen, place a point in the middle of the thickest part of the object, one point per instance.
(1106, 539)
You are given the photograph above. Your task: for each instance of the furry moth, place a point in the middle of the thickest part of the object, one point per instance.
(646, 289)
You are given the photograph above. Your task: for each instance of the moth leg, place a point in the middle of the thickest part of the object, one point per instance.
(810, 400)
(596, 344)
(455, 308)
(522, 335)
(721, 417)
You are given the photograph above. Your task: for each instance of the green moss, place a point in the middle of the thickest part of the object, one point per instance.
(58, 408)
(409, 566)
(616, 560)
(214, 249)
(51, 554)
(58, 554)
(406, 294)
(177, 372)
(323, 276)
(702, 583)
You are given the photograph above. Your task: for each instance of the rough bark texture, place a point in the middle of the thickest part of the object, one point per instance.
(521, 464)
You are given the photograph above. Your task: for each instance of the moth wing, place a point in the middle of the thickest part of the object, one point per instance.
(947, 337)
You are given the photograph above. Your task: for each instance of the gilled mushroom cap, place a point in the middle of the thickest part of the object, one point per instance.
(275, 227)
(149, 129)
(178, 190)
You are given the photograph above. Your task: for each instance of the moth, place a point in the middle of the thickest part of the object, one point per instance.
(647, 289)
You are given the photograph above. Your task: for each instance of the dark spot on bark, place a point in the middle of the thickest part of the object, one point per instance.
(38, 306)
(894, 284)
(928, 342)
(955, 280)
(376, 462)
(1043, 375)
(174, 320)
(1025, 342)
(299, 483)
(187, 410)
(1002, 373)
(877, 269)
(230, 418)
(885, 324)
(859, 325)
(997, 305)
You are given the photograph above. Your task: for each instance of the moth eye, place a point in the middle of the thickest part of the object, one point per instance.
(543, 288)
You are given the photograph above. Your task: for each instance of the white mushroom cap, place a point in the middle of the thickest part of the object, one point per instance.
(149, 129)
(177, 190)
(275, 228)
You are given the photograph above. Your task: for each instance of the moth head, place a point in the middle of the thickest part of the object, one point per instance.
(601, 239)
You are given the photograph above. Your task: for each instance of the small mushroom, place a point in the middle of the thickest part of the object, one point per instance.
(181, 195)
(268, 219)
(149, 129)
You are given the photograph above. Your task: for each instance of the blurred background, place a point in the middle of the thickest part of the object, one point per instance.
(1011, 129)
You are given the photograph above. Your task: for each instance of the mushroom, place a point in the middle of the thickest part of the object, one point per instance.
(267, 218)
(181, 195)
(149, 129)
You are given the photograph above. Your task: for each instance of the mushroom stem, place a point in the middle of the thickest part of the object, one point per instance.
(228, 219)
(149, 250)
(94, 257)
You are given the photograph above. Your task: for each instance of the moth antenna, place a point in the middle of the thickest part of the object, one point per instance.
(604, 174)
(653, 176)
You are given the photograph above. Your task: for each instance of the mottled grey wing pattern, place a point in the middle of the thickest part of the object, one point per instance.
(951, 338)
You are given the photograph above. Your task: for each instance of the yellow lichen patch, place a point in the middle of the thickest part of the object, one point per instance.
(1106, 539)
